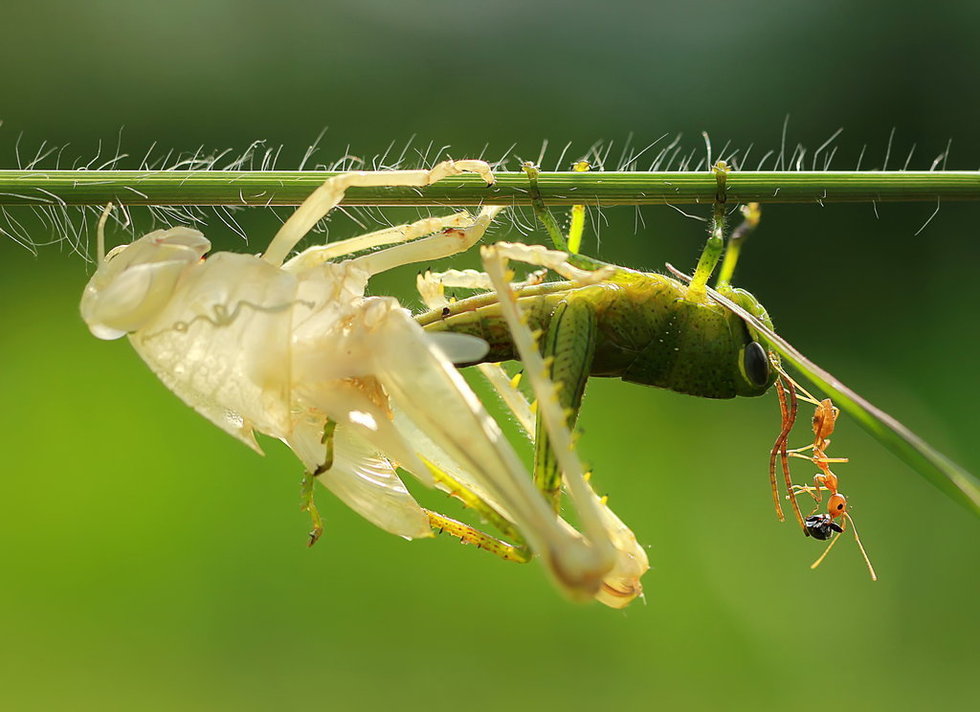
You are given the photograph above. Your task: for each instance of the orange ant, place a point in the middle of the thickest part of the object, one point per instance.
(819, 526)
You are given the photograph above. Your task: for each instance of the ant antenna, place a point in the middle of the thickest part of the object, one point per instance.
(867, 561)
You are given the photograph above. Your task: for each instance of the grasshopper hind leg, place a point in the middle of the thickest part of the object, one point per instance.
(481, 540)
(568, 348)
(616, 558)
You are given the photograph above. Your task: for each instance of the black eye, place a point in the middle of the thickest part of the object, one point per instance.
(756, 364)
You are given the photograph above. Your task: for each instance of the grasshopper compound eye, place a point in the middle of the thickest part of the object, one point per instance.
(820, 526)
(755, 363)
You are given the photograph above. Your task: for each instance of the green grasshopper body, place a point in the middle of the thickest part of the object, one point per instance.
(642, 328)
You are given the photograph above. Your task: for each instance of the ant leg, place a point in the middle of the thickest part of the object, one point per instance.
(784, 459)
(813, 490)
(787, 410)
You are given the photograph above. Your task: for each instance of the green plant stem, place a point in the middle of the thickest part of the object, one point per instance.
(263, 188)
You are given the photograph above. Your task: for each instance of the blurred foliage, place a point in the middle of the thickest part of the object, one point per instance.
(151, 562)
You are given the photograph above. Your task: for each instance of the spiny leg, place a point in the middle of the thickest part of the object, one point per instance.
(517, 551)
(481, 540)
(332, 191)
(335, 457)
(610, 538)
(570, 342)
(568, 350)
(318, 254)
(449, 427)
(553, 417)
(572, 337)
(621, 584)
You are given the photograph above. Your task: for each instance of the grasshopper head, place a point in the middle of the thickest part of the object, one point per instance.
(134, 281)
(755, 371)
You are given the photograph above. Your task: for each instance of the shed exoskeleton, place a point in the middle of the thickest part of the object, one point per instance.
(294, 349)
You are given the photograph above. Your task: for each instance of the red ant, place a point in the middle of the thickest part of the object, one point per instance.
(819, 526)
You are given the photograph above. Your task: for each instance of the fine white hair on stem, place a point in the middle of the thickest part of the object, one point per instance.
(71, 226)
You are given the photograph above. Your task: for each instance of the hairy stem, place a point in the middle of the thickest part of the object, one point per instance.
(259, 188)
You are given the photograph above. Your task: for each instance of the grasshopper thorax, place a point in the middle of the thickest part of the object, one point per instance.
(695, 346)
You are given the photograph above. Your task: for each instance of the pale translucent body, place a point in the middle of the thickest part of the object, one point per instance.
(258, 345)
(613, 553)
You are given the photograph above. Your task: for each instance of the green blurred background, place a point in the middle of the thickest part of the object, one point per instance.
(151, 562)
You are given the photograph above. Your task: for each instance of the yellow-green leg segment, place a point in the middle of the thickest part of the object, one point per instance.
(569, 347)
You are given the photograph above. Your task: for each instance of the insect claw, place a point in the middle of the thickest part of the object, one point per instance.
(315, 535)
